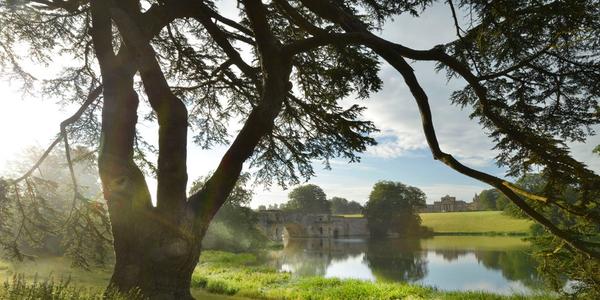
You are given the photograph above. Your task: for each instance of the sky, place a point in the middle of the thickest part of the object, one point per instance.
(401, 154)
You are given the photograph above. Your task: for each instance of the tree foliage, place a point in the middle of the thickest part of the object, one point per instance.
(309, 198)
(488, 199)
(41, 215)
(393, 208)
(343, 206)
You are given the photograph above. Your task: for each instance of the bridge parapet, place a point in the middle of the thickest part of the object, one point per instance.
(300, 225)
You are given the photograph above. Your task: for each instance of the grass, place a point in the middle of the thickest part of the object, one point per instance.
(471, 223)
(54, 278)
(241, 275)
(488, 243)
(18, 288)
(477, 222)
(58, 268)
(351, 216)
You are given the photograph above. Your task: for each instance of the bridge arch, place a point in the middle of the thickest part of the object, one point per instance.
(294, 229)
(274, 223)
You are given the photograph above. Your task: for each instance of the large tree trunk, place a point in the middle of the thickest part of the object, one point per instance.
(157, 260)
(155, 251)
(156, 248)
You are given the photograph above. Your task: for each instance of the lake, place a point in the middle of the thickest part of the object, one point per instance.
(497, 264)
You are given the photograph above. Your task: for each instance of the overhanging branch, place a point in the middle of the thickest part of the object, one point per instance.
(92, 97)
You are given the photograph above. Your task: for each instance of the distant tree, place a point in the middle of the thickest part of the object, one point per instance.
(393, 207)
(308, 198)
(262, 207)
(343, 206)
(355, 208)
(501, 202)
(487, 199)
(234, 226)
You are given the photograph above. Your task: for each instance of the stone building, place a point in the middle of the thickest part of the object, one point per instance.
(448, 204)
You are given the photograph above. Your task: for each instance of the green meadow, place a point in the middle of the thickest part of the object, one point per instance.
(476, 222)
(471, 223)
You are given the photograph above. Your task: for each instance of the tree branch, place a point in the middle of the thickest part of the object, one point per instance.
(171, 113)
(506, 188)
(202, 14)
(276, 72)
(93, 96)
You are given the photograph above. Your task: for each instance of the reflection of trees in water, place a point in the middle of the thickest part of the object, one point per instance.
(313, 256)
(399, 259)
(396, 260)
(451, 254)
(514, 265)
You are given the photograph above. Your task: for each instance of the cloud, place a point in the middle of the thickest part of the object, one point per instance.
(583, 152)
(395, 113)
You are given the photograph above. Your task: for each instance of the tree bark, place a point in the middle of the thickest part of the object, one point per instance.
(154, 258)
(155, 251)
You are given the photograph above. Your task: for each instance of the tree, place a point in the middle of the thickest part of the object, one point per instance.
(530, 69)
(487, 199)
(343, 206)
(309, 199)
(394, 207)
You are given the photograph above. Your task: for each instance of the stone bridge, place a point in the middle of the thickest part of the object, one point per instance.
(276, 223)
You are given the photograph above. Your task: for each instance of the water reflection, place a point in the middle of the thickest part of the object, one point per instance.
(495, 264)
(396, 260)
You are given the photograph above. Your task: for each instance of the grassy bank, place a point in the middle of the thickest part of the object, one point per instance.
(242, 275)
(477, 243)
(476, 222)
(54, 278)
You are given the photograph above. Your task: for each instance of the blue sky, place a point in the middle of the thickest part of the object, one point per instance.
(402, 154)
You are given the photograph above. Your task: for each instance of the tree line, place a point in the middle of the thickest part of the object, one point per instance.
(311, 198)
(392, 207)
